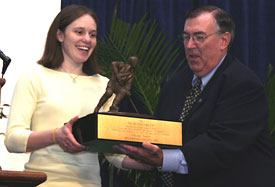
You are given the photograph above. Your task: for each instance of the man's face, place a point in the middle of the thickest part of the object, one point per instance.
(203, 56)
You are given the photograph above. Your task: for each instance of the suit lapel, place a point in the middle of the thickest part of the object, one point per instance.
(203, 96)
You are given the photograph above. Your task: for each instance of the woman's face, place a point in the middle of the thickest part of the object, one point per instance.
(78, 40)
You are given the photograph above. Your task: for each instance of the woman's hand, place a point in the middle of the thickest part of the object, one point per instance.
(66, 140)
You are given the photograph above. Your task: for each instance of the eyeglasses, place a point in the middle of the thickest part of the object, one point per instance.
(197, 38)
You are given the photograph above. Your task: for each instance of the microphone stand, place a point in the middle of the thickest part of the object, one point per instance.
(2, 82)
(6, 62)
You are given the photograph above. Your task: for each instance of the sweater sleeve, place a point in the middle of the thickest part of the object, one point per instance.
(19, 120)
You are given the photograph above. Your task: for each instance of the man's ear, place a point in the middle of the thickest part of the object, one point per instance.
(60, 35)
(225, 40)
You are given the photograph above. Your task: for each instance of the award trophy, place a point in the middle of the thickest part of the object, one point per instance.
(101, 130)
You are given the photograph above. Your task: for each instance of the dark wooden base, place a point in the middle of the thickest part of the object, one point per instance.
(21, 178)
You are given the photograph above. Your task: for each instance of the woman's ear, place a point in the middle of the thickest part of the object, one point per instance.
(225, 40)
(60, 36)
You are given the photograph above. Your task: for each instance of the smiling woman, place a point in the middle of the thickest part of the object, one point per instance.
(78, 43)
(49, 99)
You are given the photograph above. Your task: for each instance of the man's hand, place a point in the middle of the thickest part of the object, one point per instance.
(130, 163)
(148, 153)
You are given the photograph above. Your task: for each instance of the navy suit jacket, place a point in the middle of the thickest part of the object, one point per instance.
(225, 136)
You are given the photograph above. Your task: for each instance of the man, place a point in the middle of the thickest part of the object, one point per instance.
(225, 133)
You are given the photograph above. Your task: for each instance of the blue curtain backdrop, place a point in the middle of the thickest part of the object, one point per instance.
(254, 44)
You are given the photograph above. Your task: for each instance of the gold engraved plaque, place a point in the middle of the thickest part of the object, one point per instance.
(100, 131)
(139, 130)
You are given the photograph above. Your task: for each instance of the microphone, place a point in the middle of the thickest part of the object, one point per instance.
(6, 61)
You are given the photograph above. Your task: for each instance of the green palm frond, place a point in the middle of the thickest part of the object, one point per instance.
(156, 53)
(270, 90)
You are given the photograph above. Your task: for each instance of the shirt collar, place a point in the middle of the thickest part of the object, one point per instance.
(205, 79)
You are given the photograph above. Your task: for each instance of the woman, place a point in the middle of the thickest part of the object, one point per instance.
(66, 83)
